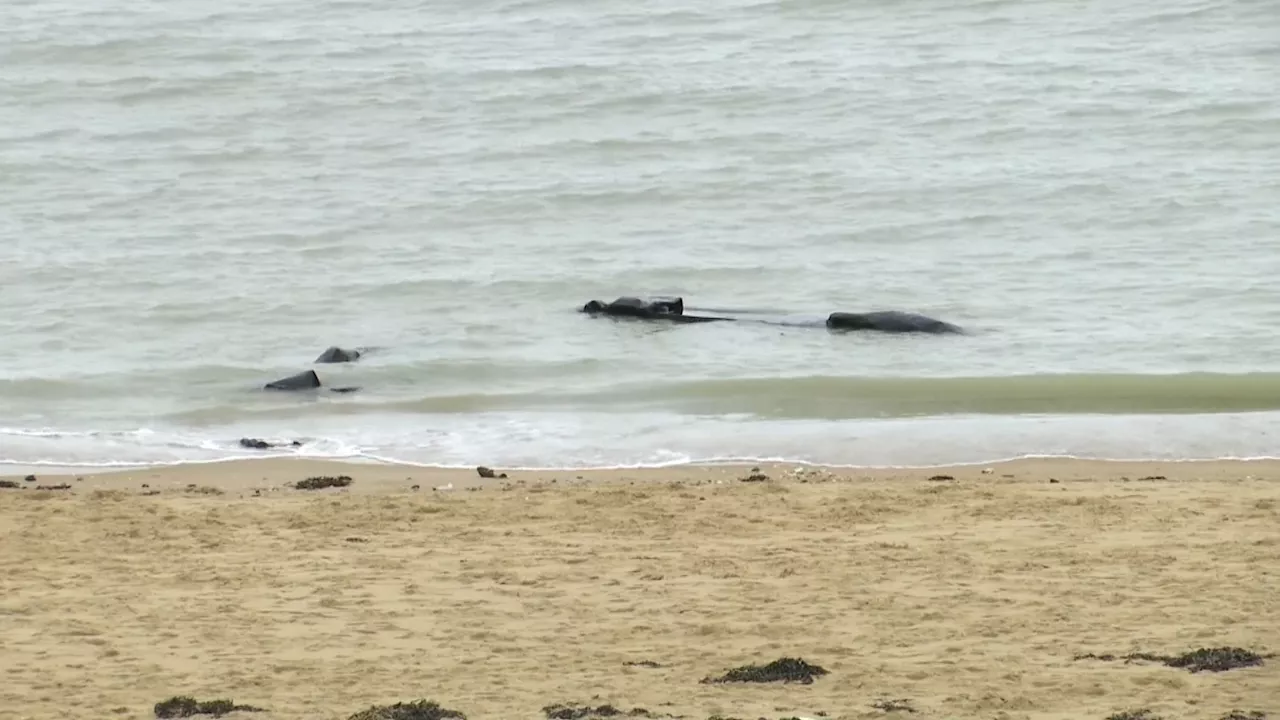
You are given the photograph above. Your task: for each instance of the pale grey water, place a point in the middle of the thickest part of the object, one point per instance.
(199, 197)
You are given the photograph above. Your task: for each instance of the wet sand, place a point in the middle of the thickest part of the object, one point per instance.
(967, 597)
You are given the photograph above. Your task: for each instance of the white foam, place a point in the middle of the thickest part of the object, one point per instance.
(565, 441)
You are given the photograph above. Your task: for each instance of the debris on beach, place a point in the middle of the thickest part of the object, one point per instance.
(182, 707)
(1242, 715)
(786, 670)
(811, 475)
(941, 478)
(61, 486)
(29, 478)
(323, 481)
(1219, 659)
(1142, 714)
(586, 712)
(642, 663)
(1151, 478)
(417, 710)
(894, 706)
(203, 490)
(11, 485)
(354, 539)
(489, 474)
(755, 476)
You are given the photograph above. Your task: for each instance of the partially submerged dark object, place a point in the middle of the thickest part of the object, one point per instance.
(672, 310)
(419, 710)
(665, 309)
(1219, 659)
(336, 354)
(260, 444)
(306, 380)
(182, 707)
(323, 481)
(786, 670)
(890, 321)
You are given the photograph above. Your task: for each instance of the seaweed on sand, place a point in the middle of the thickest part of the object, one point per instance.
(323, 481)
(182, 707)
(417, 710)
(1219, 659)
(787, 670)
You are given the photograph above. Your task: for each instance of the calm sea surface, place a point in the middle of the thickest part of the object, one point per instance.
(198, 197)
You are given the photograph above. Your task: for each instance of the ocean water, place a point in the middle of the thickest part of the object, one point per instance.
(197, 198)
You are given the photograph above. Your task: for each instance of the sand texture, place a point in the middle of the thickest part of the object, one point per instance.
(965, 598)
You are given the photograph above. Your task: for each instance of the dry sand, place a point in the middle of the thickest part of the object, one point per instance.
(967, 597)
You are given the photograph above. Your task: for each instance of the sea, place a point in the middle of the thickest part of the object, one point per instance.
(199, 197)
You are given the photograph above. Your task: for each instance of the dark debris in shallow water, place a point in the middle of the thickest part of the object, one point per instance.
(1219, 659)
(417, 710)
(183, 707)
(786, 670)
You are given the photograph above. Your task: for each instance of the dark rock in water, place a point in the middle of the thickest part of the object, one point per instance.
(181, 707)
(420, 710)
(889, 321)
(29, 478)
(667, 309)
(258, 444)
(787, 670)
(306, 380)
(1218, 659)
(338, 355)
(323, 481)
(487, 473)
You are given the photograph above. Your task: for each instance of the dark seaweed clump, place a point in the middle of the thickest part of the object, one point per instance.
(787, 670)
(9, 484)
(893, 706)
(563, 711)
(181, 707)
(1143, 714)
(1218, 659)
(1242, 715)
(418, 710)
(323, 481)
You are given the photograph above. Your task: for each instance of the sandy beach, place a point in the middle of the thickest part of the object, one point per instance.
(968, 596)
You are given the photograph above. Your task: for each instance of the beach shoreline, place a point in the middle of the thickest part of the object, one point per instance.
(240, 474)
(965, 592)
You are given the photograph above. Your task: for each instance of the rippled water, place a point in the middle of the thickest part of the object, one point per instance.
(199, 197)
